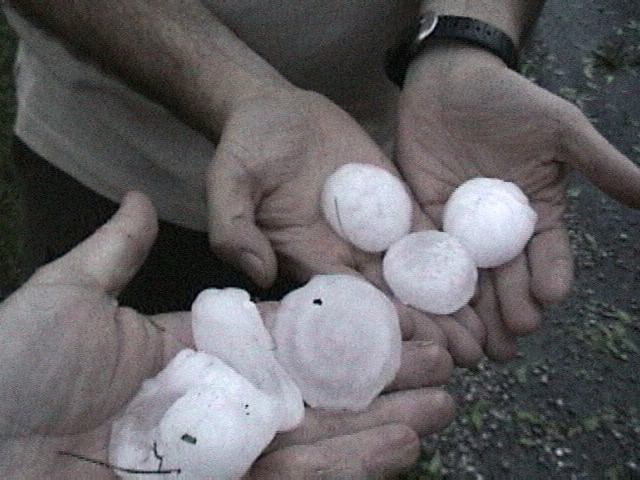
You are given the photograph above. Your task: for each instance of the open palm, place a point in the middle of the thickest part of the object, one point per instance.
(265, 181)
(463, 114)
(72, 357)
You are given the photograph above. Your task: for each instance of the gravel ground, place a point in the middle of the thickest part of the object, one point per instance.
(569, 408)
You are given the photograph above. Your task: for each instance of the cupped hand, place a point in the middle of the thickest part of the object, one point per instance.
(264, 186)
(463, 114)
(72, 358)
(265, 181)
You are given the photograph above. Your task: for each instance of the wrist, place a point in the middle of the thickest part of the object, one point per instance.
(445, 63)
(219, 88)
(271, 98)
(432, 27)
(445, 60)
(229, 97)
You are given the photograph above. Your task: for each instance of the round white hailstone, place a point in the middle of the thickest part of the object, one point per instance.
(216, 433)
(430, 271)
(339, 338)
(226, 323)
(199, 416)
(492, 218)
(367, 206)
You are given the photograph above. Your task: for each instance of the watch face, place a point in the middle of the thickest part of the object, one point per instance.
(428, 22)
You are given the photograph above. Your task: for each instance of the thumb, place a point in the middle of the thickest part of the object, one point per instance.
(233, 233)
(591, 154)
(113, 254)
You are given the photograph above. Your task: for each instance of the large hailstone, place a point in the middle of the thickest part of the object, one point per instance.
(198, 419)
(339, 338)
(367, 206)
(226, 323)
(492, 218)
(431, 271)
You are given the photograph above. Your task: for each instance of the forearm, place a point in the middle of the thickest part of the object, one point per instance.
(514, 17)
(174, 52)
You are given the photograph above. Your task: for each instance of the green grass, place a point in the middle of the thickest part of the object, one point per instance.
(606, 330)
(10, 244)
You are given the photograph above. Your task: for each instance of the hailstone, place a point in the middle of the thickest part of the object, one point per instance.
(227, 324)
(367, 206)
(197, 419)
(492, 218)
(431, 271)
(339, 338)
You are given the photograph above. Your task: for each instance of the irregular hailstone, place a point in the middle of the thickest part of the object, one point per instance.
(227, 324)
(367, 206)
(197, 419)
(492, 218)
(339, 338)
(202, 418)
(430, 271)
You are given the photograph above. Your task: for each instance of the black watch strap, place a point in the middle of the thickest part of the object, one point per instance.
(432, 26)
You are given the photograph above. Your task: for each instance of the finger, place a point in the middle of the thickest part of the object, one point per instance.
(421, 221)
(551, 263)
(374, 453)
(464, 349)
(316, 250)
(176, 327)
(501, 343)
(408, 322)
(370, 267)
(423, 364)
(268, 311)
(233, 233)
(426, 329)
(425, 411)
(468, 318)
(113, 254)
(520, 310)
(589, 152)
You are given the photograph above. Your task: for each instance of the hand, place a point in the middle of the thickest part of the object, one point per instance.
(377, 443)
(264, 187)
(463, 114)
(72, 358)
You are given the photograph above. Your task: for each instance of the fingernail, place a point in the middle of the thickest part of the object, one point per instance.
(254, 267)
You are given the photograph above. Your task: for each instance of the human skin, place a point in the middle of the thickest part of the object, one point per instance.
(289, 93)
(464, 114)
(276, 142)
(72, 358)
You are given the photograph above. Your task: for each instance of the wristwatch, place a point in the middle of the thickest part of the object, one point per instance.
(432, 26)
